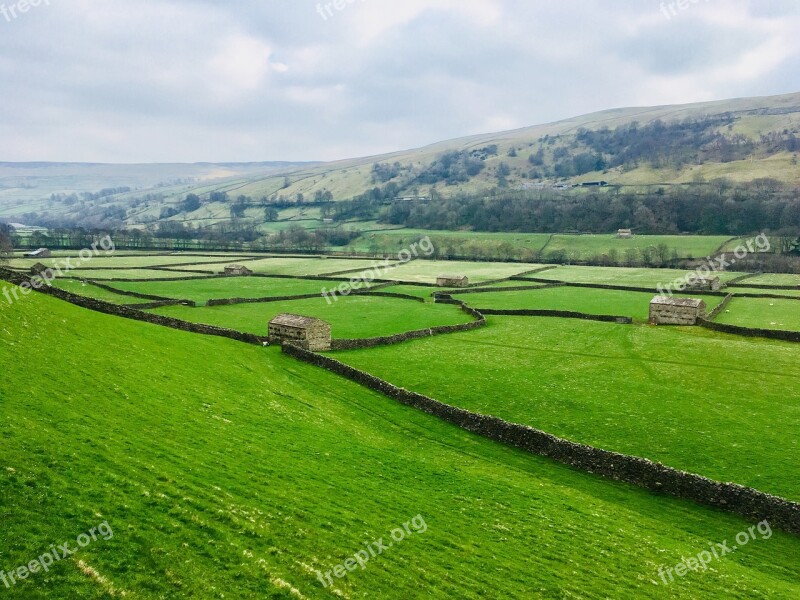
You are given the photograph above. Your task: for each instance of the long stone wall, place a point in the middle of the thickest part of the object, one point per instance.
(119, 292)
(563, 314)
(720, 307)
(743, 501)
(773, 334)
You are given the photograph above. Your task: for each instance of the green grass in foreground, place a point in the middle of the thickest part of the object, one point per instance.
(762, 313)
(350, 317)
(586, 300)
(722, 406)
(202, 290)
(231, 471)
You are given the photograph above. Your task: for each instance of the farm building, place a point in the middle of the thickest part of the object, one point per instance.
(40, 269)
(237, 270)
(452, 281)
(625, 234)
(308, 332)
(703, 284)
(676, 311)
(40, 253)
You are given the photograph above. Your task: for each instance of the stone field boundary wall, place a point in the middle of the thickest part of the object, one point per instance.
(156, 299)
(720, 307)
(772, 334)
(562, 314)
(730, 497)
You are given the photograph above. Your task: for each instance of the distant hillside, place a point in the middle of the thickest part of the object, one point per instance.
(741, 140)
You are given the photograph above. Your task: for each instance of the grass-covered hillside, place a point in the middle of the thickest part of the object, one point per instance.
(231, 471)
(740, 140)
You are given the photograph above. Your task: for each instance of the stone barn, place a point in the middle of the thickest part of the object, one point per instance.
(40, 253)
(41, 270)
(625, 234)
(237, 270)
(676, 311)
(703, 284)
(308, 332)
(452, 281)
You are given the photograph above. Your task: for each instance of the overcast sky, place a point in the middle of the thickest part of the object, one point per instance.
(257, 80)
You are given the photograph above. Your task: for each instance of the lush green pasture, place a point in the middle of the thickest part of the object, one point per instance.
(92, 291)
(579, 247)
(232, 471)
(280, 265)
(132, 273)
(202, 290)
(622, 275)
(585, 300)
(762, 313)
(477, 244)
(789, 293)
(723, 406)
(426, 271)
(350, 317)
(129, 261)
(773, 279)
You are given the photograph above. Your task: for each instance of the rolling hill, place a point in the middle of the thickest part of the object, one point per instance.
(741, 140)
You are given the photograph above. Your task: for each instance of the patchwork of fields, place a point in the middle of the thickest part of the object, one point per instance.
(230, 470)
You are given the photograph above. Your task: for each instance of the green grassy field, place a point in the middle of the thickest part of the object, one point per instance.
(232, 471)
(92, 291)
(426, 271)
(773, 279)
(690, 398)
(202, 290)
(128, 261)
(581, 247)
(134, 273)
(350, 317)
(636, 277)
(585, 300)
(279, 265)
(762, 313)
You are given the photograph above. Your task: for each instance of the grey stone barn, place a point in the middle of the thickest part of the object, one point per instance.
(676, 311)
(40, 253)
(703, 284)
(454, 281)
(237, 270)
(624, 234)
(40, 269)
(307, 332)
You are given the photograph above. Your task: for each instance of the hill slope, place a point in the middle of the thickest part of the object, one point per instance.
(226, 470)
(742, 140)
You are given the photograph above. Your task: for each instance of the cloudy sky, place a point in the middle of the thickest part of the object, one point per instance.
(253, 80)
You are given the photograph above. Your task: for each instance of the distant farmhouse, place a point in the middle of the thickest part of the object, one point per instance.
(40, 253)
(237, 270)
(703, 284)
(41, 270)
(307, 332)
(676, 311)
(455, 281)
(625, 234)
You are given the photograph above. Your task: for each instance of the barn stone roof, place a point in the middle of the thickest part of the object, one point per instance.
(461, 277)
(299, 321)
(666, 300)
